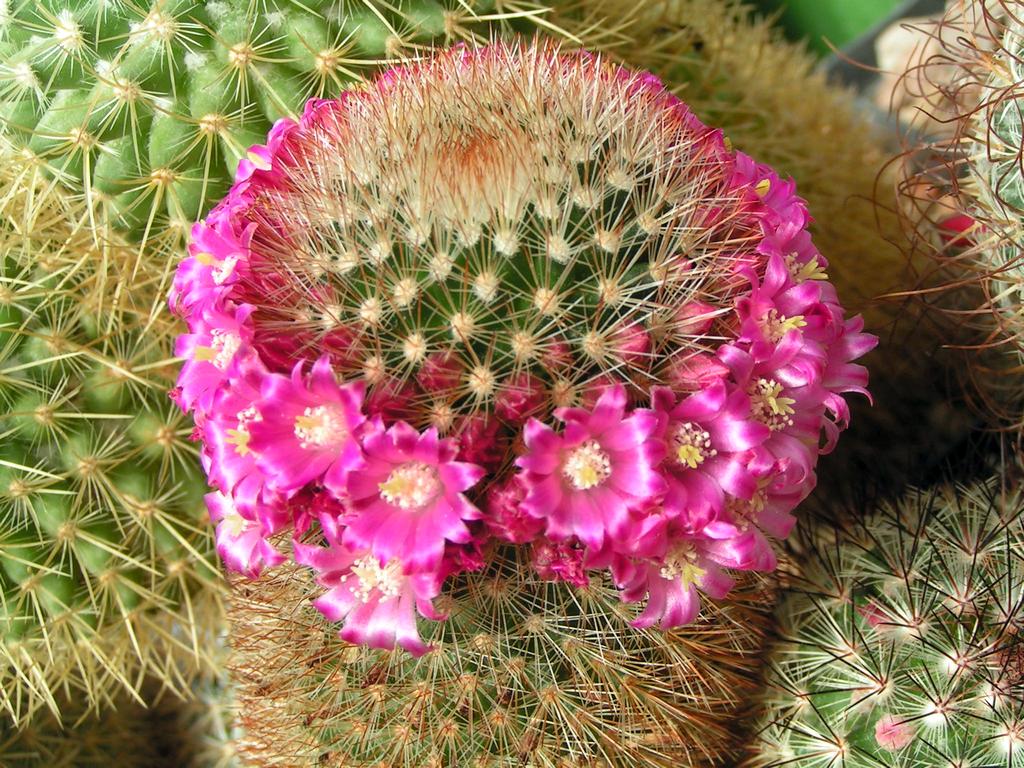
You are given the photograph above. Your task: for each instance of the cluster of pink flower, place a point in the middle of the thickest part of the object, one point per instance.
(665, 494)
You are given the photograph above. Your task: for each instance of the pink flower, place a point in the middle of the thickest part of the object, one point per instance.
(706, 438)
(217, 258)
(241, 539)
(586, 481)
(376, 599)
(212, 351)
(520, 398)
(407, 499)
(307, 430)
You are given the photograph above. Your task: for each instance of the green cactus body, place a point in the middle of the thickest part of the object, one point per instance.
(904, 646)
(103, 551)
(525, 672)
(149, 106)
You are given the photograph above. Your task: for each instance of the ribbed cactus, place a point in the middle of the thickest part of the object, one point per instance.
(148, 106)
(525, 672)
(903, 647)
(103, 545)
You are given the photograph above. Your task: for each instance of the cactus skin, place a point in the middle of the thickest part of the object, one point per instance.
(103, 552)
(149, 106)
(525, 672)
(904, 645)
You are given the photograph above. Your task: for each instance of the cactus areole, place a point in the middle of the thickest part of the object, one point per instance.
(513, 294)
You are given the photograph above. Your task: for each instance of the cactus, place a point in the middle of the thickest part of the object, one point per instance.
(477, 245)
(121, 735)
(962, 195)
(904, 644)
(103, 570)
(148, 106)
(398, 292)
(995, 184)
(526, 672)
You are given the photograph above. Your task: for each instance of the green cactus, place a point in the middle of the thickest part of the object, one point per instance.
(147, 106)
(903, 647)
(103, 549)
(524, 672)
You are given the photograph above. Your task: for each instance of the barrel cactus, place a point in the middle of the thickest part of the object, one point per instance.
(103, 547)
(965, 199)
(904, 644)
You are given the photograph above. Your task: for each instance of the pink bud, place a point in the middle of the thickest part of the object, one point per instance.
(344, 345)
(694, 318)
(505, 518)
(691, 373)
(520, 398)
(632, 344)
(440, 374)
(893, 734)
(393, 400)
(594, 388)
(873, 613)
(559, 561)
(557, 356)
(480, 441)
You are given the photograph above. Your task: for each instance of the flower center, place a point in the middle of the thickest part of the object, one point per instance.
(769, 407)
(681, 565)
(223, 270)
(239, 437)
(224, 346)
(233, 522)
(690, 445)
(321, 426)
(744, 512)
(411, 486)
(371, 576)
(222, 349)
(776, 326)
(587, 466)
(809, 270)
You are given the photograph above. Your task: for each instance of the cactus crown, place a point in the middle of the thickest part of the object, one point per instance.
(904, 645)
(103, 569)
